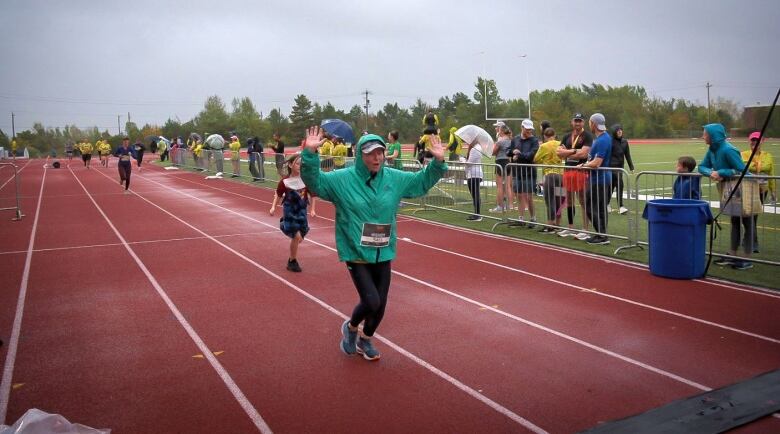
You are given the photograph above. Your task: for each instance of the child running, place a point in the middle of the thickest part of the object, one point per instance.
(295, 200)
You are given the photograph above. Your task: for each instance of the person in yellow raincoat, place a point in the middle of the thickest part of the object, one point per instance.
(326, 153)
(762, 164)
(339, 152)
(455, 145)
(235, 156)
(13, 149)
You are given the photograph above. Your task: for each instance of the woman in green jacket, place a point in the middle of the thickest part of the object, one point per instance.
(366, 197)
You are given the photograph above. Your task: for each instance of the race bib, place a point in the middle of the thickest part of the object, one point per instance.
(375, 235)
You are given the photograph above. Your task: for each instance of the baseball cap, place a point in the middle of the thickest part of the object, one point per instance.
(499, 124)
(369, 142)
(599, 120)
(754, 135)
(528, 124)
(578, 116)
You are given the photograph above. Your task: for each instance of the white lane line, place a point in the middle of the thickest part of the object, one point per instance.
(12, 177)
(250, 410)
(13, 343)
(590, 291)
(622, 262)
(90, 246)
(477, 303)
(441, 374)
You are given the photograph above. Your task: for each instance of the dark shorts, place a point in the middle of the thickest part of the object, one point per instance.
(502, 164)
(86, 157)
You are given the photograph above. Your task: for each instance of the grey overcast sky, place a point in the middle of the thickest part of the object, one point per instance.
(85, 62)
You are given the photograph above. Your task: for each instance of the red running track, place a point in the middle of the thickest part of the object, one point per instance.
(469, 346)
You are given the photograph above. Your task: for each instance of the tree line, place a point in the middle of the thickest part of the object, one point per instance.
(639, 114)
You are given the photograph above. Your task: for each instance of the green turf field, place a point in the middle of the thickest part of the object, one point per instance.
(452, 195)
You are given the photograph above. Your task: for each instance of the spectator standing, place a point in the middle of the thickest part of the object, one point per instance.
(599, 187)
(553, 179)
(255, 154)
(393, 154)
(279, 154)
(574, 150)
(454, 145)
(762, 164)
(235, 156)
(621, 154)
(686, 186)
(504, 194)
(522, 151)
(474, 177)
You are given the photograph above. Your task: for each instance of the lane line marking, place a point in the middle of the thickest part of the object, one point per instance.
(250, 410)
(441, 374)
(477, 303)
(13, 343)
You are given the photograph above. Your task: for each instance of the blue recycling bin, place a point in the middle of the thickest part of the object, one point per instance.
(677, 237)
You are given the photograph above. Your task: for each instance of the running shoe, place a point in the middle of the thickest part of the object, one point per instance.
(474, 218)
(582, 236)
(742, 265)
(598, 239)
(292, 265)
(547, 230)
(623, 210)
(366, 349)
(349, 339)
(496, 209)
(609, 208)
(723, 262)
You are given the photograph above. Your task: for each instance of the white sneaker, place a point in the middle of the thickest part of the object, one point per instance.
(565, 233)
(496, 209)
(582, 236)
(623, 210)
(609, 208)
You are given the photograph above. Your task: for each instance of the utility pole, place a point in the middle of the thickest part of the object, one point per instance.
(13, 126)
(368, 103)
(708, 101)
(117, 125)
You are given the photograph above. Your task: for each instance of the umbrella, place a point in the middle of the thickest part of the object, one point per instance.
(162, 140)
(196, 137)
(215, 141)
(337, 127)
(473, 133)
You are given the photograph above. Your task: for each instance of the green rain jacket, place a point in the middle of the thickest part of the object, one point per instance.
(362, 198)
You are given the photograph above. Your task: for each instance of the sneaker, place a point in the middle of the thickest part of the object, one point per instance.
(623, 210)
(350, 339)
(496, 209)
(474, 218)
(582, 236)
(742, 265)
(292, 265)
(723, 262)
(566, 233)
(547, 230)
(597, 239)
(609, 208)
(366, 349)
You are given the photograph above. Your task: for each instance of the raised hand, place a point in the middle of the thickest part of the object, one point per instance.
(436, 148)
(314, 138)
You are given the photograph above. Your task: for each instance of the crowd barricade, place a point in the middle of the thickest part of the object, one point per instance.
(18, 208)
(755, 199)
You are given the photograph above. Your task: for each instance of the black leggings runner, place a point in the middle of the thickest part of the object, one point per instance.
(124, 172)
(373, 283)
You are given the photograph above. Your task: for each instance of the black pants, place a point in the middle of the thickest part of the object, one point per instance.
(617, 183)
(474, 190)
(124, 172)
(736, 233)
(596, 200)
(372, 282)
(140, 158)
(164, 155)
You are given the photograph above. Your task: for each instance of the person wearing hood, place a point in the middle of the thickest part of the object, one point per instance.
(621, 154)
(235, 156)
(455, 145)
(722, 162)
(764, 165)
(366, 196)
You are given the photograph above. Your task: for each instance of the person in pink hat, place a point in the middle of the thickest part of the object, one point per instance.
(762, 164)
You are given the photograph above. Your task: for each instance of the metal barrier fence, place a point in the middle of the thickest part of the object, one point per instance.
(18, 207)
(762, 220)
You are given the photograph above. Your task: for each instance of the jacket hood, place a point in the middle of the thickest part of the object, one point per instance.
(614, 129)
(360, 167)
(717, 134)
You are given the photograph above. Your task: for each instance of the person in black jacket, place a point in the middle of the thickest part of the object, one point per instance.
(256, 161)
(522, 151)
(620, 155)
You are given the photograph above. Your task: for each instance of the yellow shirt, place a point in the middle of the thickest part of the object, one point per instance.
(762, 164)
(235, 150)
(86, 148)
(326, 148)
(546, 155)
(339, 152)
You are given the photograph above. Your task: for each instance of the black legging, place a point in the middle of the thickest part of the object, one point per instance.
(124, 172)
(617, 184)
(140, 158)
(474, 190)
(373, 283)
